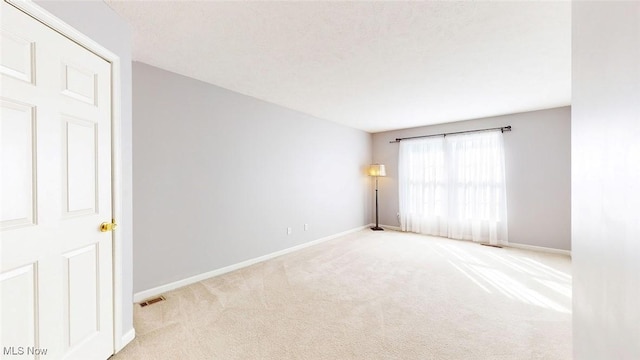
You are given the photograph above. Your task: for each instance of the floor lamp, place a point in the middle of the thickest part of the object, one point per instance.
(377, 170)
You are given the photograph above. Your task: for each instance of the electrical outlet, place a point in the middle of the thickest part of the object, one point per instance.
(306, 227)
(288, 231)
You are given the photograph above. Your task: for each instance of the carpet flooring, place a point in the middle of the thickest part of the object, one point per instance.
(369, 295)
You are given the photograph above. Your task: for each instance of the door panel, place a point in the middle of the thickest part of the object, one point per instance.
(22, 280)
(81, 270)
(79, 83)
(17, 142)
(18, 56)
(79, 160)
(56, 282)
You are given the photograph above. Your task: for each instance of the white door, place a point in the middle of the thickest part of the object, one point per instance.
(55, 173)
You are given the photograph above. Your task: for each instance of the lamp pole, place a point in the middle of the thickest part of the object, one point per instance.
(377, 170)
(377, 227)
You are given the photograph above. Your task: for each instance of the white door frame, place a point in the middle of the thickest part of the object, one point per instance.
(34, 10)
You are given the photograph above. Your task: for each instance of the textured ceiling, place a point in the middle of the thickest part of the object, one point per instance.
(374, 65)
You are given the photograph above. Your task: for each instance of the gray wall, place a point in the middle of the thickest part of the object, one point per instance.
(220, 176)
(538, 172)
(97, 21)
(606, 180)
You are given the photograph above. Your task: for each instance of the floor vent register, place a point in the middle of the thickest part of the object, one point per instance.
(152, 301)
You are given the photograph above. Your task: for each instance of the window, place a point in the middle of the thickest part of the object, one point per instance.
(454, 186)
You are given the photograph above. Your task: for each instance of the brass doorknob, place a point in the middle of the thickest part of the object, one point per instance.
(105, 226)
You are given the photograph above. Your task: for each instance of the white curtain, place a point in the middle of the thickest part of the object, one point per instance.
(454, 186)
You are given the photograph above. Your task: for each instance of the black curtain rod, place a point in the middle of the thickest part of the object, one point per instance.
(503, 129)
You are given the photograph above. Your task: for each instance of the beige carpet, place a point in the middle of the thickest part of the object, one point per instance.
(370, 295)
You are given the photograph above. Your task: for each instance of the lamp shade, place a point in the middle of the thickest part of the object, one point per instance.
(377, 170)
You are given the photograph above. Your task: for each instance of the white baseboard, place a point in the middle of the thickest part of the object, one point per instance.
(390, 227)
(126, 339)
(513, 245)
(539, 248)
(145, 294)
